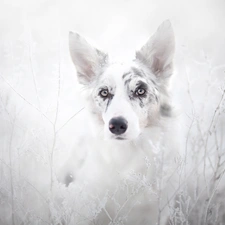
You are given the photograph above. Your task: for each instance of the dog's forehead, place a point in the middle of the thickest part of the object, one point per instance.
(116, 70)
(120, 72)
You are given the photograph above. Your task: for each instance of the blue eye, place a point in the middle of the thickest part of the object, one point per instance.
(104, 93)
(140, 91)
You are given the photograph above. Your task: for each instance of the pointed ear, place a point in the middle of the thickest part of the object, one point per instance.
(87, 59)
(158, 52)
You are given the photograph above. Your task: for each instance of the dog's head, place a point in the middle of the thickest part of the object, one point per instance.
(127, 97)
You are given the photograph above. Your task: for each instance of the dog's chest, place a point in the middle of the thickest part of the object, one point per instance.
(109, 163)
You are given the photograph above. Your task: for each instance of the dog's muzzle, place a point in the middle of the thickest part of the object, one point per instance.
(118, 125)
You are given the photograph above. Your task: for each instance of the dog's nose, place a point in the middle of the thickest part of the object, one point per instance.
(118, 125)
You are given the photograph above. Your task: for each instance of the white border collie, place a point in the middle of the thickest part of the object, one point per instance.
(129, 161)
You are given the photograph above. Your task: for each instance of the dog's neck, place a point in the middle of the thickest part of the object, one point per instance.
(126, 150)
(116, 150)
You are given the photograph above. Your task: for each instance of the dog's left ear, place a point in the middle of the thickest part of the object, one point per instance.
(87, 59)
(157, 53)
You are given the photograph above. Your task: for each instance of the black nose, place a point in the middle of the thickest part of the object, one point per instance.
(118, 125)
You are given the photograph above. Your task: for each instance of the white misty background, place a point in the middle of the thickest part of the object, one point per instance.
(40, 98)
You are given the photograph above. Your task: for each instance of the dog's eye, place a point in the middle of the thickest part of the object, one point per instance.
(140, 91)
(104, 93)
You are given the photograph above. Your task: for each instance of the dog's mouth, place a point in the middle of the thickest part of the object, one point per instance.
(120, 138)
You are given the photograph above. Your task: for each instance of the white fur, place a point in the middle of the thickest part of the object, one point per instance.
(103, 163)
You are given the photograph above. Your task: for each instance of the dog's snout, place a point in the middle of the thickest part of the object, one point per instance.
(118, 125)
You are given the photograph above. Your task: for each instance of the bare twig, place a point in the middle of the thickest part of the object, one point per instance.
(211, 197)
(57, 131)
(29, 103)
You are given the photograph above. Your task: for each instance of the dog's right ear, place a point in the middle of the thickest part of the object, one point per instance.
(87, 59)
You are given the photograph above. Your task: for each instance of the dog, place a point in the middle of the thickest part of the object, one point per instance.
(129, 160)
